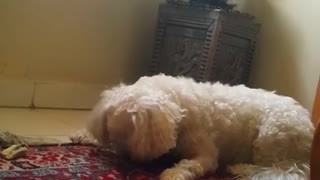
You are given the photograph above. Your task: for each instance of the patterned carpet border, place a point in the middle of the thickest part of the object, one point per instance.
(68, 162)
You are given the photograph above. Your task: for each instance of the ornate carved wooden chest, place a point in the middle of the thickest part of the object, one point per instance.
(206, 44)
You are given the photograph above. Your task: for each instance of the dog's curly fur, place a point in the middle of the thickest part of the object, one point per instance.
(259, 134)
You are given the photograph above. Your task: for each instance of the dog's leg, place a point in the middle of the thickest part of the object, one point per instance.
(82, 137)
(199, 154)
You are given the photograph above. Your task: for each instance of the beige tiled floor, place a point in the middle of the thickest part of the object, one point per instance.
(58, 124)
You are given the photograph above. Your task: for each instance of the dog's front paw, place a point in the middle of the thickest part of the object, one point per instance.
(82, 137)
(176, 174)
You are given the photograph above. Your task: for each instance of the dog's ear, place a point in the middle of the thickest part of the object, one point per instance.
(154, 128)
(97, 123)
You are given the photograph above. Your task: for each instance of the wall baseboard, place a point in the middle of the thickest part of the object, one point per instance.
(48, 94)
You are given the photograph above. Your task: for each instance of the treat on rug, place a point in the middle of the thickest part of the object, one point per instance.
(13, 152)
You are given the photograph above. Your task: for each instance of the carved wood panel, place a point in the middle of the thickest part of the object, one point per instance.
(231, 61)
(182, 51)
(205, 44)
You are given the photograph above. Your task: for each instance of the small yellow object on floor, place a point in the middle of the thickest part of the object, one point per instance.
(13, 152)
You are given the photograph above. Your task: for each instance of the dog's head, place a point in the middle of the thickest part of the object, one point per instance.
(137, 120)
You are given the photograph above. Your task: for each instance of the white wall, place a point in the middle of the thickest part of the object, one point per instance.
(287, 57)
(76, 46)
(70, 44)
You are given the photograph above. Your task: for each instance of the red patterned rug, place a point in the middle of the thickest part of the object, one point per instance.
(80, 162)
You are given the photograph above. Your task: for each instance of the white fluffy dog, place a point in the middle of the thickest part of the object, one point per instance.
(258, 134)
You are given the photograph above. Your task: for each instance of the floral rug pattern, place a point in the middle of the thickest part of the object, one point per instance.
(79, 162)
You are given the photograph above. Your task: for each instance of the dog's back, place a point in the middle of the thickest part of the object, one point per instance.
(246, 124)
